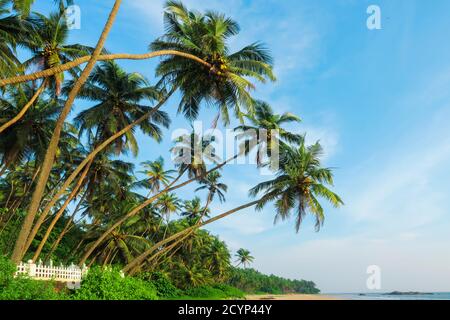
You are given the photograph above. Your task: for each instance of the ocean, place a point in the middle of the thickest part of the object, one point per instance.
(380, 296)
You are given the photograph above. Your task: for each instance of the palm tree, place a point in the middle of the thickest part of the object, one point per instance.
(266, 131)
(192, 152)
(193, 209)
(244, 257)
(168, 203)
(29, 137)
(252, 61)
(214, 187)
(103, 171)
(119, 100)
(299, 183)
(22, 6)
(121, 245)
(156, 176)
(188, 159)
(49, 159)
(49, 47)
(218, 258)
(119, 95)
(13, 31)
(225, 84)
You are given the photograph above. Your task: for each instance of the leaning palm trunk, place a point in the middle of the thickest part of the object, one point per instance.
(42, 218)
(49, 158)
(57, 216)
(105, 57)
(177, 242)
(146, 203)
(25, 108)
(156, 258)
(100, 148)
(125, 218)
(66, 228)
(138, 260)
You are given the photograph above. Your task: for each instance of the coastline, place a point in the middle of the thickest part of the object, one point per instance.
(305, 297)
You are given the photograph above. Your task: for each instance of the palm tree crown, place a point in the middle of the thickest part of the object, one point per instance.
(244, 257)
(193, 209)
(119, 98)
(214, 187)
(299, 183)
(156, 175)
(49, 47)
(226, 83)
(266, 122)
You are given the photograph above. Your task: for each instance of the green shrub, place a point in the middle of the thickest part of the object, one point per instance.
(22, 288)
(229, 291)
(101, 284)
(164, 287)
(218, 291)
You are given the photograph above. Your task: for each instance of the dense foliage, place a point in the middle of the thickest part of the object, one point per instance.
(252, 281)
(110, 284)
(22, 288)
(69, 193)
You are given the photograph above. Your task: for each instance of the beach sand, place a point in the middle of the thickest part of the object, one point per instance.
(291, 297)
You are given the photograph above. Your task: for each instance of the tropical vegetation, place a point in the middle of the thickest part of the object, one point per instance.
(69, 192)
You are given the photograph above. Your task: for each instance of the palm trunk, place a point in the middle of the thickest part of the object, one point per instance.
(106, 57)
(28, 187)
(47, 164)
(100, 148)
(66, 229)
(57, 216)
(25, 108)
(138, 260)
(125, 218)
(142, 206)
(163, 251)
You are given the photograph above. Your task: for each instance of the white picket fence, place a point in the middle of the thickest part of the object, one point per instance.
(39, 271)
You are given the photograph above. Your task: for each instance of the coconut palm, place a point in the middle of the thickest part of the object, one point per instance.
(252, 62)
(244, 257)
(299, 184)
(115, 174)
(188, 159)
(192, 152)
(156, 176)
(122, 244)
(267, 132)
(225, 84)
(49, 158)
(214, 187)
(119, 100)
(119, 96)
(167, 204)
(192, 209)
(49, 47)
(22, 6)
(29, 137)
(218, 258)
(13, 31)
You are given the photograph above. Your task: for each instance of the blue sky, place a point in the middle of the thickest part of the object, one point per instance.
(379, 102)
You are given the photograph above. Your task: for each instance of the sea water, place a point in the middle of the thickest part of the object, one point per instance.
(381, 296)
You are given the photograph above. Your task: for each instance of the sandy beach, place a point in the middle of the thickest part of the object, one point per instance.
(291, 297)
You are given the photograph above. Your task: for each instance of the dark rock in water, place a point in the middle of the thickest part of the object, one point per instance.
(410, 293)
